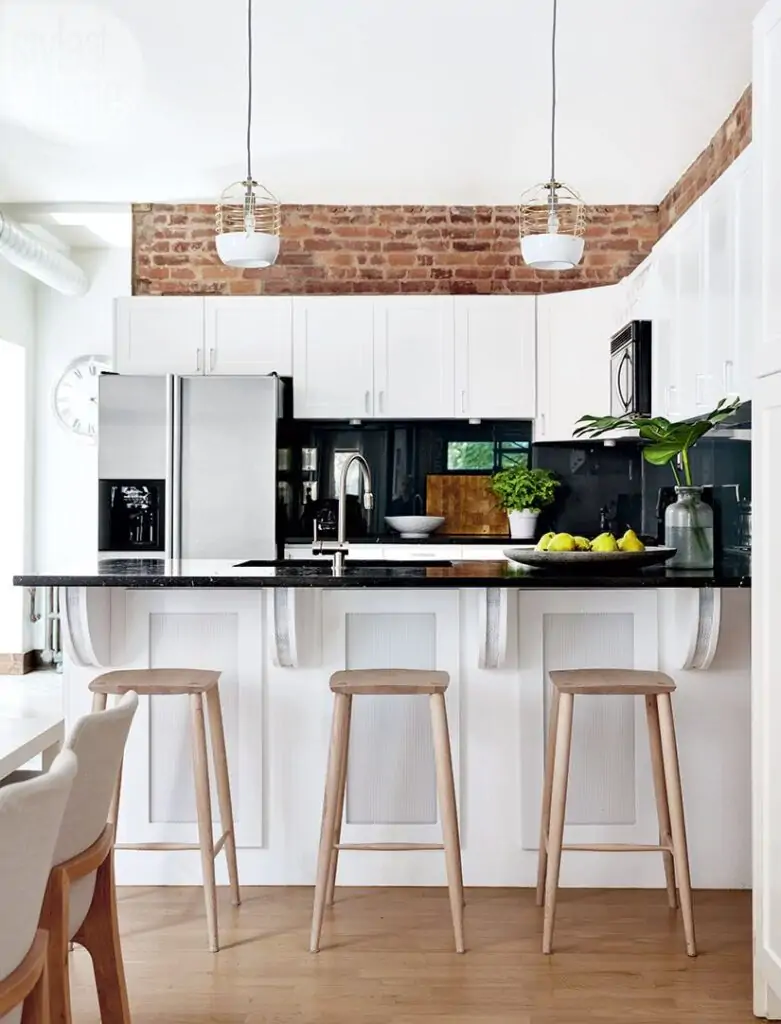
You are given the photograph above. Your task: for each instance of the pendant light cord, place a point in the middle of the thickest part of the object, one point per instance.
(553, 94)
(249, 91)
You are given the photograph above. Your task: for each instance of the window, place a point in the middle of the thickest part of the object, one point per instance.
(486, 456)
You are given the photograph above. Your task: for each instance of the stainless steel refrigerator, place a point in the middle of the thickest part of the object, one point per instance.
(187, 466)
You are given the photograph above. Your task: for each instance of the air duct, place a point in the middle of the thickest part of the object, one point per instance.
(29, 254)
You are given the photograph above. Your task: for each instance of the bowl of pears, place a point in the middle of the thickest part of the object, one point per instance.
(563, 551)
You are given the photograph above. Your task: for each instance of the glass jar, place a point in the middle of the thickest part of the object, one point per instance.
(688, 527)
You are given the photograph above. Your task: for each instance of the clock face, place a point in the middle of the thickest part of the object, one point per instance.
(76, 395)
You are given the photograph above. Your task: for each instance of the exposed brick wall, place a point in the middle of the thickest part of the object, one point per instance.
(725, 146)
(385, 250)
(388, 250)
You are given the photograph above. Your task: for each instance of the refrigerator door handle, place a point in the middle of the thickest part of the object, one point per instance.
(176, 468)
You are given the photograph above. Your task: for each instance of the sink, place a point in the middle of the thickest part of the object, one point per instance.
(325, 563)
(414, 527)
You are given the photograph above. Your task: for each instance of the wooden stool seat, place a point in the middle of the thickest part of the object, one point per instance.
(157, 682)
(656, 688)
(389, 681)
(202, 688)
(611, 681)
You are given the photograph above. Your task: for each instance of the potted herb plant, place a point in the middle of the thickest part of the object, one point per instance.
(688, 522)
(522, 493)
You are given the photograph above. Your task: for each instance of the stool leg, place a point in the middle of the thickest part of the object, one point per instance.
(446, 792)
(557, 813)
(678, 825)
(542, 859)
(339, 727)
(660, 789)
(329, 899)
(99, 702)
(220, 758)
(204, 807)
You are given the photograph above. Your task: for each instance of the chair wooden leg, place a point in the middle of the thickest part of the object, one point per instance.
(35, 1009)
(550, 750)
(329, 899)
(99, 934)
(204, 807)
(678, 825)
(446, 793)
(339, 729)
(54, 919)
(660, 789)
(557, 814)
(220, 757)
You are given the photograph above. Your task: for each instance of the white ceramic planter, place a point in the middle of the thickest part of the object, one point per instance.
(523, 524)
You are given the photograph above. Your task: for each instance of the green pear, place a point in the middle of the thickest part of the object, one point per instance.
(544, 541)
(630, 542)
(604, 542)
(562, 542)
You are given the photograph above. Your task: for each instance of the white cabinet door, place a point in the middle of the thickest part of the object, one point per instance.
(767, 139)
(159, 334)
(738, 369)
(689, 357)
(249, 335)
(663, 335)
(495, 356)
(573, 359)
(333, 358)
(413, 357)
(718, 224)
(766, 696)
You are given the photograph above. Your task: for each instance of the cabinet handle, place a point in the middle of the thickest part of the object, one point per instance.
(211, 360)
(670, 393)
(463, 401)
(366, 402)
(197, 360)
(699, 380)
(542, 424)
(381, 397)
(727, 376)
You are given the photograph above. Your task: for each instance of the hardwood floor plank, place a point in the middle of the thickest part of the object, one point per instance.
(389, 959)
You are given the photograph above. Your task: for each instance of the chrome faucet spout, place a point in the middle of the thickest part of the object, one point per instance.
(368, 504)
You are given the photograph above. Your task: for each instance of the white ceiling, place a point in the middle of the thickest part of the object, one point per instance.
(361, 101)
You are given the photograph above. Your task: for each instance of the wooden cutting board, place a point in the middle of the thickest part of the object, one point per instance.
(467, 503)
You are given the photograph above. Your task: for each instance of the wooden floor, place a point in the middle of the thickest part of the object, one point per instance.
(387, 957)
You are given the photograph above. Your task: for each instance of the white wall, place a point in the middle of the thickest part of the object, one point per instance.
(66, 473)
(17, 326)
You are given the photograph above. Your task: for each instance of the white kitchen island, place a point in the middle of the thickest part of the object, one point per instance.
(277, 635)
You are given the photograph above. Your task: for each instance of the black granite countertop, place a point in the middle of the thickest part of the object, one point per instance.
(227, 573)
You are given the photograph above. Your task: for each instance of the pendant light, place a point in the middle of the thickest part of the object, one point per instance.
(552, 215)
(248, 215)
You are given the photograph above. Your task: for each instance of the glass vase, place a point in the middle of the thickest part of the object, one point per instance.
(688, 527)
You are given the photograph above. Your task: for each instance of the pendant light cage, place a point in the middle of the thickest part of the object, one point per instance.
(552, 208)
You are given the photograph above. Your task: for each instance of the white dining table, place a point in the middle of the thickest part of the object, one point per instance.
(22, 739)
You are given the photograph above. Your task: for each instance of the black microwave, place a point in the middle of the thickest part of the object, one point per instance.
(630, 370)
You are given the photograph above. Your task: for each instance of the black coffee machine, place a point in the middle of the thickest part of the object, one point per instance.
(723, 499)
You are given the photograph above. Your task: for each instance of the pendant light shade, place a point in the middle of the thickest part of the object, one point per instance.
(552, 216)
(248, 215)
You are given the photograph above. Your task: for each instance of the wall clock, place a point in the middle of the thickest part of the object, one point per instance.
(76, 395)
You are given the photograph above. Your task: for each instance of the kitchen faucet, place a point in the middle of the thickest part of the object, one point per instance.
(339, 549)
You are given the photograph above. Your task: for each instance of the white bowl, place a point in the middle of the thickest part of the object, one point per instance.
(414, 527)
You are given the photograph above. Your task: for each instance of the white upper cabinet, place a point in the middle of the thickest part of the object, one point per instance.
(495, 357)
(573, 358)
(249, 335)
(333, 357)
(158, 335)
(413, 357)
(767, 140)
(738, 367)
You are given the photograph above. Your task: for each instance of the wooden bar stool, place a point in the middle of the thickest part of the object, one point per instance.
(656, 688)
(198, 684)
(389, 682)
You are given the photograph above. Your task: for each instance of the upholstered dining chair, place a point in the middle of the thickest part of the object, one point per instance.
(30, 817)
(80, 901)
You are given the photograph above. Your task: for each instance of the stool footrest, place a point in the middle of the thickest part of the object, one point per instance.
(172, 846)
(617, 848)
(388, 847)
